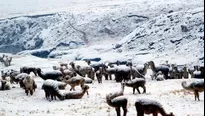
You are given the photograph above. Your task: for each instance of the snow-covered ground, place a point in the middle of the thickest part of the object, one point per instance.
(169, 93)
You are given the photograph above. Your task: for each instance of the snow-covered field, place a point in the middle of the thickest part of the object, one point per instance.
(169, 93)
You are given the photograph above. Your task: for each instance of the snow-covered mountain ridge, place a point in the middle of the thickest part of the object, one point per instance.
(170, 28)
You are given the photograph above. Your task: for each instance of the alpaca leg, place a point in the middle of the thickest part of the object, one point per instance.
(138, 90)
(51, 97)
(144, 88)
(197, 95)
(26, 91)
(118, 111)
(110, 76)
(140, 113)
(125, 110)
(106, 76)
(31, 92)
(155, 114)
(134, 90)
(46, 94)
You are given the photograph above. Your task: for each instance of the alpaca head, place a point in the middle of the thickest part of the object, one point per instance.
(62, 86)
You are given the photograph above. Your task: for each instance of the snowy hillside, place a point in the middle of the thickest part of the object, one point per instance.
(175, 34)
(69, 25)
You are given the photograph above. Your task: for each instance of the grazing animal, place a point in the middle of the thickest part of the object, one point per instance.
(164, 69)
(2, 58)
(28, 70)
(123, 72)
(77, 95)
(99, 75)
(135, 84)
(68, 72)
(191, 71)
(10, 73)
(83, 70)
(54, 75)
(199, 74)
(117, 100)
(139, 72)
(51, 89)
(4, 85)
(146, 106)
(29, 85)
(196, 87)
(75, 81)
(19, 79)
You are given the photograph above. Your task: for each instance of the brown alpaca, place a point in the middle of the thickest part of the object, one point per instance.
(77, 95)
(146, 106)
(196, 87)
(29, 85)
(75, 81)
(117, 100)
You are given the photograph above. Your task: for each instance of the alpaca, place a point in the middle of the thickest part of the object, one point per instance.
(51, 89)
(2, 58)
(77, 95)
(6, 60)
(199, 74)
(29, 85)
(139, 72)
(117, 100)
(192, 70)
(196, 87)
(54, 75)
(123, 72)
(68, 72)
(19, 79)
(75, 81)
(28, 70)
(99, 75)
(146, 106)
(4, 85)
(135, 84)
(164, 69)
(83, 70)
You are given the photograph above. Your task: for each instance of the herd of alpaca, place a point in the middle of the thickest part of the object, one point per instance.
(75, 74)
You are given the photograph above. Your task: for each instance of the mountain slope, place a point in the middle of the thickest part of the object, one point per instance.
(175, 34)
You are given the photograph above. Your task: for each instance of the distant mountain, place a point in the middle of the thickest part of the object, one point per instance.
(171, 28)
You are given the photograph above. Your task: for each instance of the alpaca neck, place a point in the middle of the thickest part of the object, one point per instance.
(128, 84)
(185, 86)
(122, 90)
(40, 74)
(59, 95)
(145, 70)
(163, 113)
(153, 67)
(109, 102)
